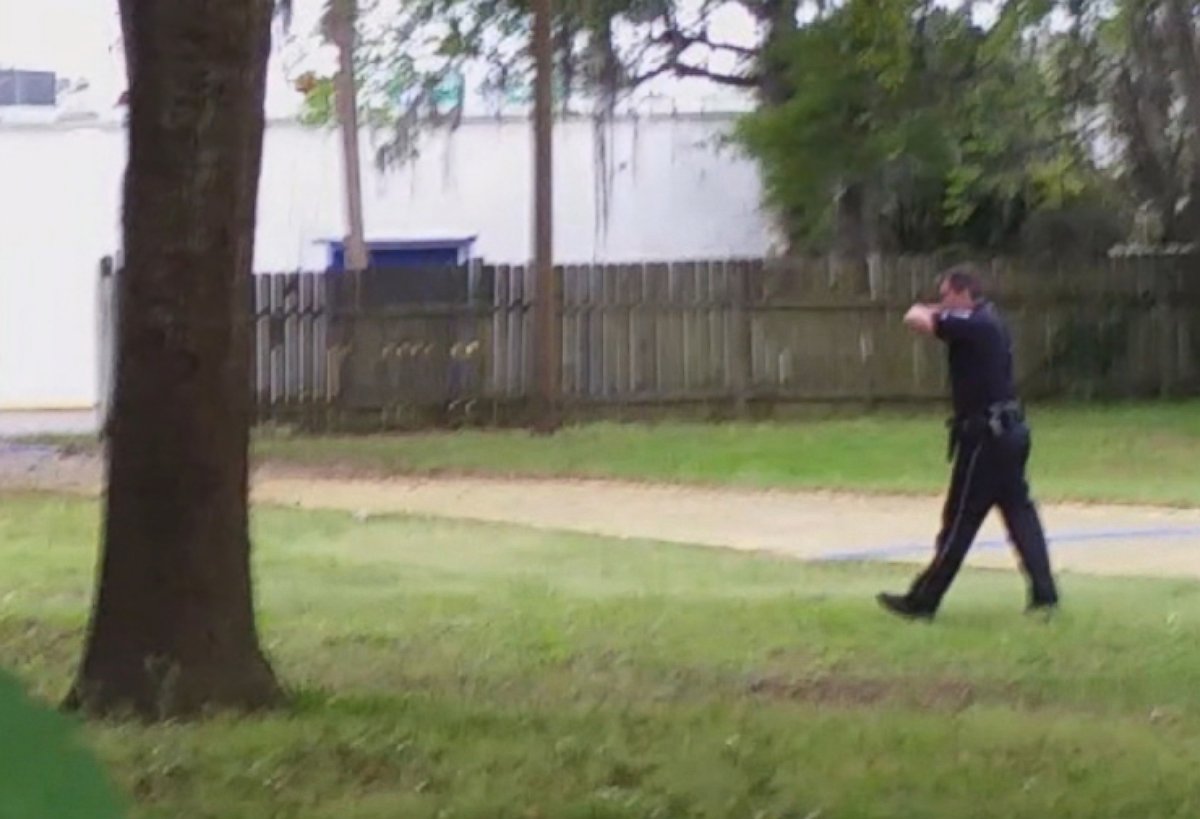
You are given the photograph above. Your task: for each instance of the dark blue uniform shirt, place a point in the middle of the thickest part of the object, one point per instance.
(981, 361)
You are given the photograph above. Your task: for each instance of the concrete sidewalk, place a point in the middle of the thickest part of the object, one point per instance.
(22, 424)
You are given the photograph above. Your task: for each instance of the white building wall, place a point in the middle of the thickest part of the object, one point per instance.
(659, 190)
(57, 211)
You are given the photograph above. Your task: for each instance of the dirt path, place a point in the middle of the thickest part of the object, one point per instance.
(1091, 539)
(825, 526)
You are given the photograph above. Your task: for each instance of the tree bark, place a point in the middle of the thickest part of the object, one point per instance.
(546, 344)
(341, 29)
(855, 238)
(779, 18)
(172, 632)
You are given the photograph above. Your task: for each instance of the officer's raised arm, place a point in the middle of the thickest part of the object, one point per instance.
(921, 318)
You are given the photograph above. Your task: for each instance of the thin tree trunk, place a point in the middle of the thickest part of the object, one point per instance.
(854, 240)
(341, 30)
(779, 18)
(546, 345)
(172, 630)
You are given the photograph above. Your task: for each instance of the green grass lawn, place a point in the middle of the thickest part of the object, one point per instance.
(1147, 453)
(448, 669)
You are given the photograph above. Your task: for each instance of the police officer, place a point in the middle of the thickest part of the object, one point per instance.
(989, 443)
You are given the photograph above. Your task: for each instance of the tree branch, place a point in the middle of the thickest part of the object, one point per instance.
(677, 43)
(673, 65)
(733, 80)
(703, 39)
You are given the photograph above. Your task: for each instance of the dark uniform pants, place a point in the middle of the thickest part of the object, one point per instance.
(989, 470)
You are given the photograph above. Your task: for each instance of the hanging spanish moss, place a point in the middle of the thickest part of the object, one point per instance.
(607, 85)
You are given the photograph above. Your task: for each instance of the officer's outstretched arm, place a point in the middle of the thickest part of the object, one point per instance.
(921, 318)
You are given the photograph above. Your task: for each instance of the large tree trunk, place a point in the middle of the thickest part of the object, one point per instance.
(341, 29)
(172, 631)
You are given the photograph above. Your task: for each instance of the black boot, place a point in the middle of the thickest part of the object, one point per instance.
(902, 606)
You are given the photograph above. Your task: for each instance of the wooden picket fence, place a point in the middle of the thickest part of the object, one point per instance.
(411, 346)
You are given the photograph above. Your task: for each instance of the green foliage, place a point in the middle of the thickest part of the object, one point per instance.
(1074, 232)
(950, 134)
(850, 117)
(955, 129)
(1087, 348)
(410, 71)
(318, 108)
(45, 772)
(407, 74)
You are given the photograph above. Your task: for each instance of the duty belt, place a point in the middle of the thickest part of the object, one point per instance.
(997, 419)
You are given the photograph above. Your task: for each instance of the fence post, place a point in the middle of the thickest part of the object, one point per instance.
(742, 362)
(108, 316)
(466, 334)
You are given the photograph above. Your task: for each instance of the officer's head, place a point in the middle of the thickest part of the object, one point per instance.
(960, 287)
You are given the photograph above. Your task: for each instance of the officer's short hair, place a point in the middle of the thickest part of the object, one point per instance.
(963, 278)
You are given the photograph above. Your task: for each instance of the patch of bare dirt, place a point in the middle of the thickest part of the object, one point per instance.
(856, 692)
(44, 468)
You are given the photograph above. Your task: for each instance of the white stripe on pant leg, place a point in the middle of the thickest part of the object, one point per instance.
(962, 502)
(962, 507)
